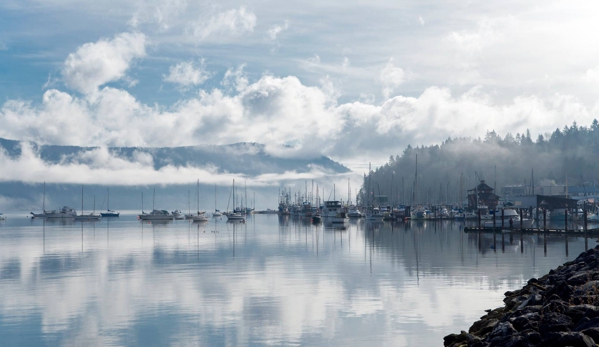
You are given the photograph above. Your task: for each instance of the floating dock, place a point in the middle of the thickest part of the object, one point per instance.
(552, 231)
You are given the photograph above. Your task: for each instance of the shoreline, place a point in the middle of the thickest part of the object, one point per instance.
(559, 309)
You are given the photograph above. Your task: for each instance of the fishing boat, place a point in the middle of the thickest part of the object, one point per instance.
(331, 208)
(340, 218)
(374, 214)
(316, 218)
(354, 212)
(109, 212)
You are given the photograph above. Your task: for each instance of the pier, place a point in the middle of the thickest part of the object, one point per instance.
(554, 231)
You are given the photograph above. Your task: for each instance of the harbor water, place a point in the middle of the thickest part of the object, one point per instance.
(272, 281)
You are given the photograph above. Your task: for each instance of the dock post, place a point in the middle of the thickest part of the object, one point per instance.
(566, 235)
(521, 227)
(502, 218)
(585, 220)
(494, 215)
(502, 243)
(586, 236)
(479, 218)
(544, 219)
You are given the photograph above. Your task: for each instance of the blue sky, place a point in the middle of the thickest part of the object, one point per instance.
(355, 80)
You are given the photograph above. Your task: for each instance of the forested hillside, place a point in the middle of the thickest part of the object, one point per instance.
(571, 152)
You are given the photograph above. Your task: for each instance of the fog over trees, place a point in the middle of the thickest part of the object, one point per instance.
(571, 153)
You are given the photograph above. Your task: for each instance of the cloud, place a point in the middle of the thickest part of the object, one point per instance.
(162, 12)
(95, 64)
(231, 23)
(275, 30)
(235, 79)
(277, 111)
(186, 74)
(391, 77)
(104, 167)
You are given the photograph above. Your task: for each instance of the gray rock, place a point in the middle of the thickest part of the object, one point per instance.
(554, 322)
(574, 339)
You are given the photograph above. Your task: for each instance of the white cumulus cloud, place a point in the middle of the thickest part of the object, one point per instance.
(391, 77)
(233, 22)
(98, 63)
(187, 74)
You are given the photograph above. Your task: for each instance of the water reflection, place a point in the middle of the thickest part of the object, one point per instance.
(273, 280)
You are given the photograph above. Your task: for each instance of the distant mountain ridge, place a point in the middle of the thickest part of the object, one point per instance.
(247, 158)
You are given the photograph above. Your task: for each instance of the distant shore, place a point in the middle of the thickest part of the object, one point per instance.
(558, 309)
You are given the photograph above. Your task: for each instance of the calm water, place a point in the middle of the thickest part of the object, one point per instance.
(270, 281)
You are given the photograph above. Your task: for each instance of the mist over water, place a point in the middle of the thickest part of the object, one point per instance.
(271, 281)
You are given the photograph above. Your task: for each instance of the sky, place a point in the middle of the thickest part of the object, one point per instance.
(356, 81)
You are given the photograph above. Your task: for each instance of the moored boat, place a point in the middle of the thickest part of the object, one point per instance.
(156, 215)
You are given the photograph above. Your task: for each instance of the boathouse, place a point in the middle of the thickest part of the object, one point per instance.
(482, 195)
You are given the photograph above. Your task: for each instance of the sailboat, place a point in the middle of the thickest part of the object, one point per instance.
(87, 217)
(108, 212)
(235, 216)
(216, 213)
(43, 214)
(200, 216)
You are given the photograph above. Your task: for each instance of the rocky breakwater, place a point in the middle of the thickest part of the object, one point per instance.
(559, 309)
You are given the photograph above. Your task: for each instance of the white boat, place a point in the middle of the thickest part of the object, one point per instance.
(178, 215)
(419, 214)
(64, 212)
(592, 218)
(156, 215)
(44, 212)
(2, 217)
(216, 212)
(331, 208)
(374, 214)
(200, 216)
(87, 217)
(508, 214)
(235, 216)
(340, 218)
(354, 212)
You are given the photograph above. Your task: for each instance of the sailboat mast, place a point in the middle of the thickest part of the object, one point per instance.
(198, 192)
(82, 199)
(107, 199)
(44, 201)
(215, 197)
(153, 199)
